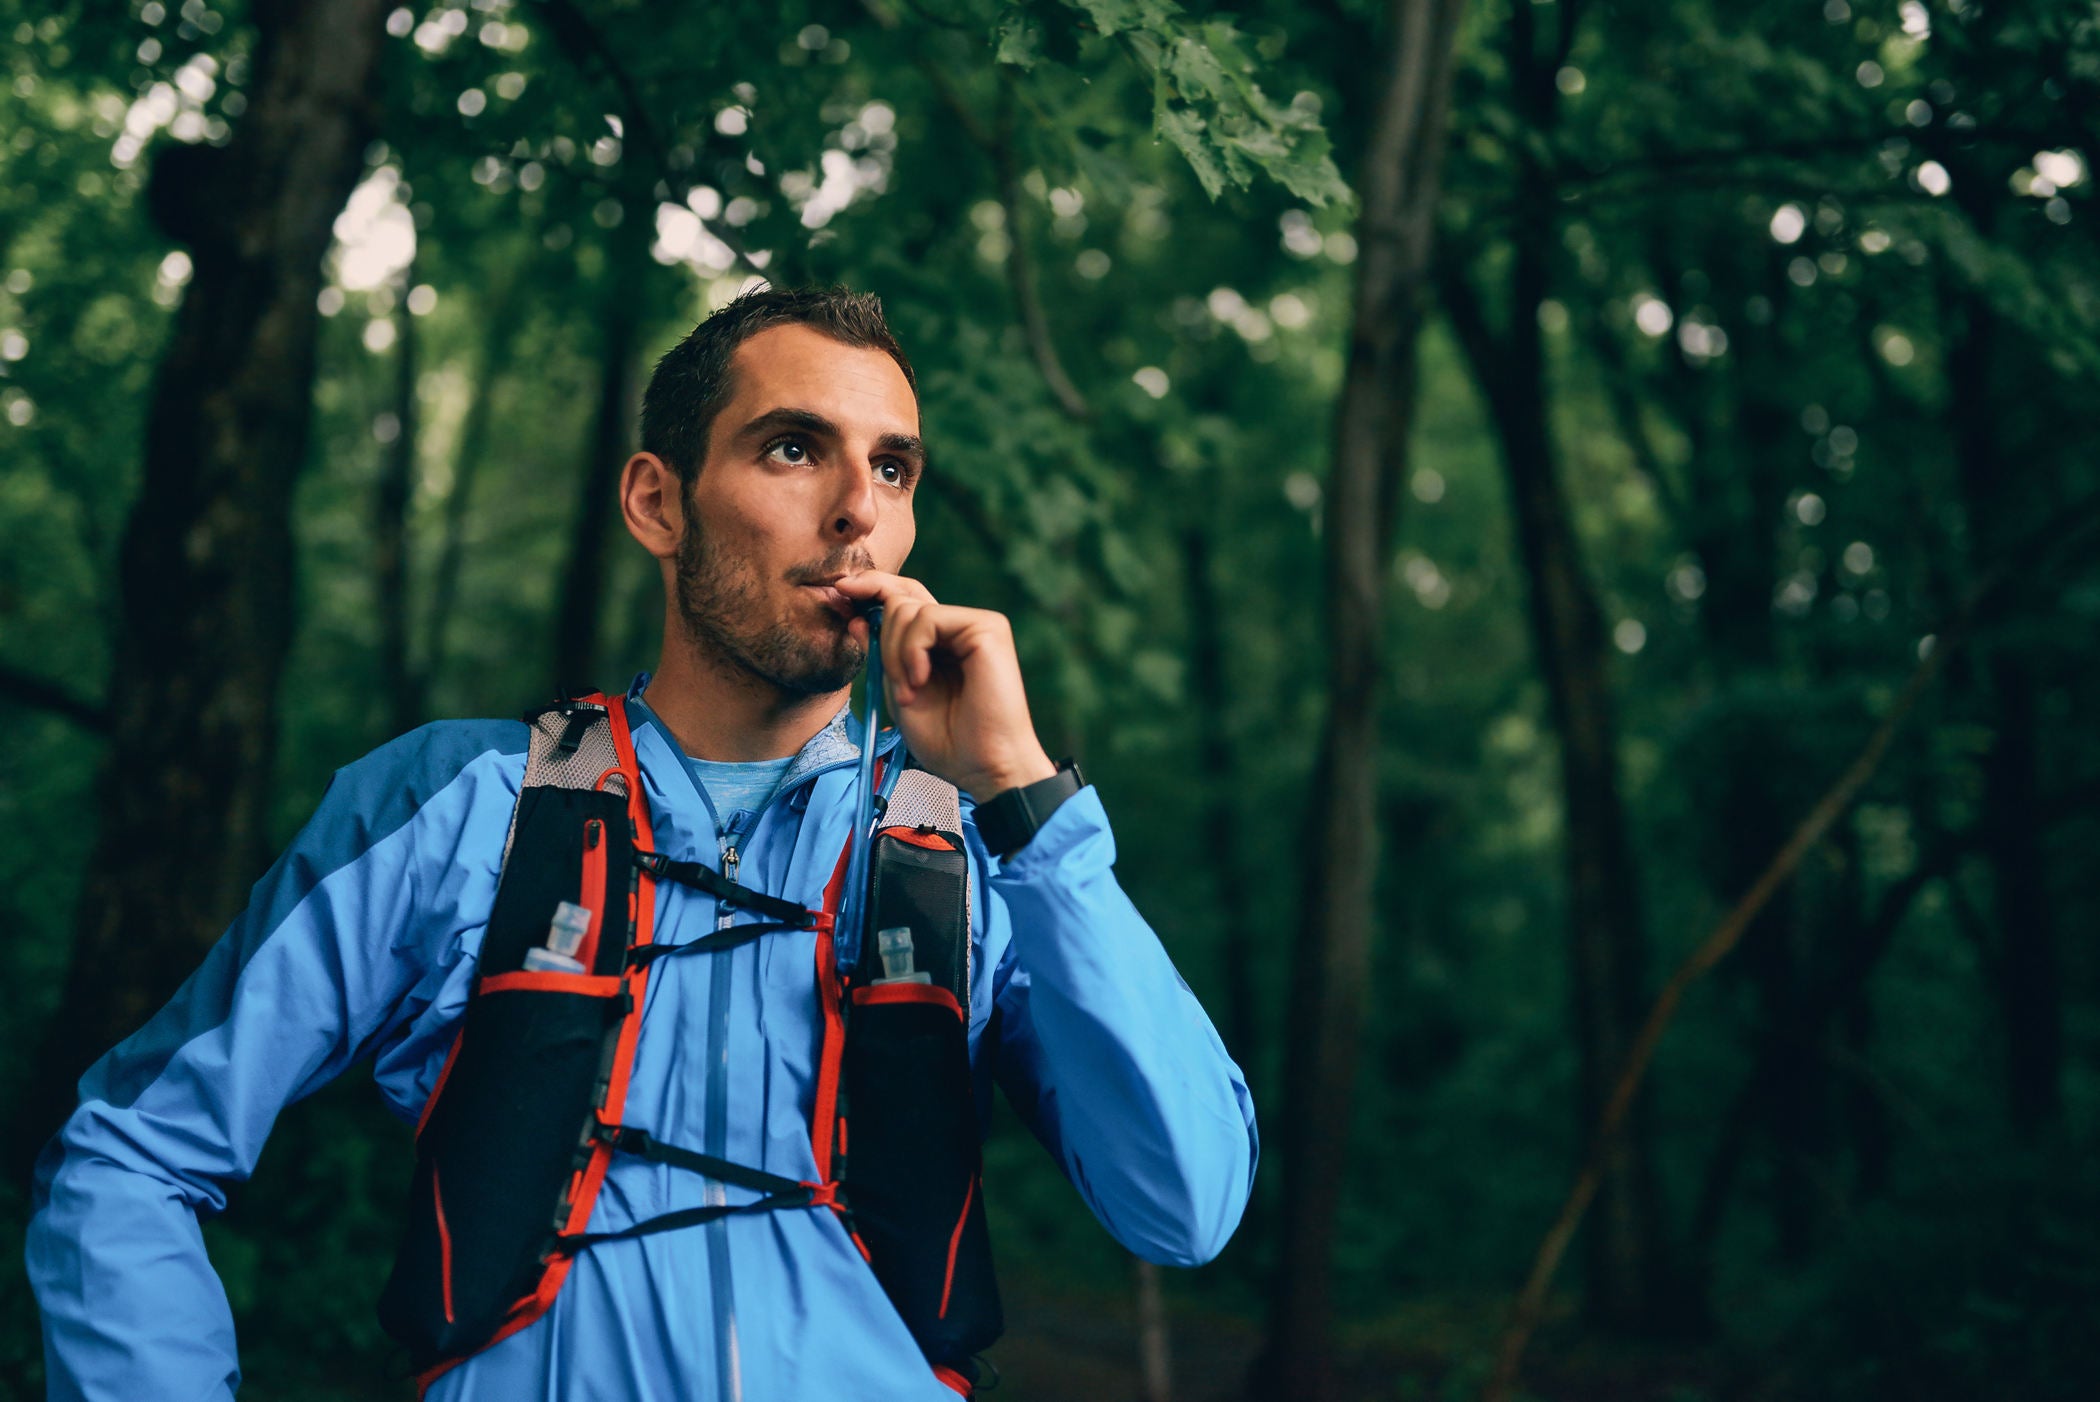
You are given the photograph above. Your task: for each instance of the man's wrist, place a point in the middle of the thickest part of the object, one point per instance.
(1015, 776)
(1011, 817)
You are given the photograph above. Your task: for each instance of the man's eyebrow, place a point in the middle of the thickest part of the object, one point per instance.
(906, 445)
(808, 420)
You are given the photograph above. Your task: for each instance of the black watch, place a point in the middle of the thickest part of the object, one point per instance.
(1006, 821)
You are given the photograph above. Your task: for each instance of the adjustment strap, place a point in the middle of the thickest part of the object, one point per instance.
(641, 956)
(639, 1142)
(582, 715)
(779, 1192)
(569, 1243)
(572, 734)
(723, 889)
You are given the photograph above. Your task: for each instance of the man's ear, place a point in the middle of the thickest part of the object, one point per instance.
(652, 501)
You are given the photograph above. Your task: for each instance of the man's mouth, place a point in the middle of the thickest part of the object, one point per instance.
(831, 598)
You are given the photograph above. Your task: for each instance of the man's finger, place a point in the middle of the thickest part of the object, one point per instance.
(921, 633)
(889, 588)
(961, 633)
(907, 641)
(895, 614)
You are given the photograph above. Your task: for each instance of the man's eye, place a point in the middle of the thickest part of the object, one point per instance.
(786, 445)
(892, 473)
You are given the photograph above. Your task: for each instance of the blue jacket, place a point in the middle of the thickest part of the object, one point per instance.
(361, 942)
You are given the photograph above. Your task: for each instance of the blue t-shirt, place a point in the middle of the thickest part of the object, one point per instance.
(737, 788)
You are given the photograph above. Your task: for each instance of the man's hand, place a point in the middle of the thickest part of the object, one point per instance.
(953, 683)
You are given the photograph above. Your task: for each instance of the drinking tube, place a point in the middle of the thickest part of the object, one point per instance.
(849, 934)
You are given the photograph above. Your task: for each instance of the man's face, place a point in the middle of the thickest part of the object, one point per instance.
(809, 475)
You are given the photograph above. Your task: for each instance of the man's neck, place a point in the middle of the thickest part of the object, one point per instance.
(719, 711)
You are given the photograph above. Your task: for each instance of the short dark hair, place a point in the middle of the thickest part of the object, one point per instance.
(692, 382)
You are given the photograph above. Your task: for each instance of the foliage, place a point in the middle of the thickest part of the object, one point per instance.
(1773, 230)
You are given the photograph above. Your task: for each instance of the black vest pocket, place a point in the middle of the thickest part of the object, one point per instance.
(912, 1166)
(496, 1159)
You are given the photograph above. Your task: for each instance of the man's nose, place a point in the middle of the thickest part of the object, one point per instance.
(852, 513)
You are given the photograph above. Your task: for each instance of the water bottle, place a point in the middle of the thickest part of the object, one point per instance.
(894, 944)
(564, 938)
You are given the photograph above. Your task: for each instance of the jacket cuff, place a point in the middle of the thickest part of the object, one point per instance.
(1079, 824)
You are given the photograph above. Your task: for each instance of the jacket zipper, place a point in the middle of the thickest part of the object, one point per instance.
(728, 1369)
(715, 1135)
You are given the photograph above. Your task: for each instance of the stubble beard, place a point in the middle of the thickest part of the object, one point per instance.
(724, 607)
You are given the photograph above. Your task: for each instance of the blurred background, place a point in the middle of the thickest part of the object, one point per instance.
(1505, 497)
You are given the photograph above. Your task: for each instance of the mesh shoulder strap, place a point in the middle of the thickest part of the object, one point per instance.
(923, 800)
(570, 747)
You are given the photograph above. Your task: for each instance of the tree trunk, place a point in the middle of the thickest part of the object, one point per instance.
(1629, 1285)
(1739, 437)
(1221, 818)
(1606, 939)
(206, 569)
(1155, 1358)
(505, 310)
(1331, 963)
(1740, 493)
(2030, 995)
(1628, 1281)
(612, 431)
(1219, 787)
(2025, 963)
(399, 686)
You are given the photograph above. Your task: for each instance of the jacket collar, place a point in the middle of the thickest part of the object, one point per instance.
(837, 743)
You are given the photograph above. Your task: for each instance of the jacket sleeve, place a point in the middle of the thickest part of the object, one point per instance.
(1106, 1053)
(307, 980)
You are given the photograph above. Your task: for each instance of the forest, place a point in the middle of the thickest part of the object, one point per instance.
(1564, 532)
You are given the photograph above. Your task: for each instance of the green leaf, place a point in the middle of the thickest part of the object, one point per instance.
(1017, 39)
(1185, 129)
(1115, 16)
(1194, 68)
(1206, 100)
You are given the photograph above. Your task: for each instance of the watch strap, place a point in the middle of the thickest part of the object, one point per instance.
(1007, 820)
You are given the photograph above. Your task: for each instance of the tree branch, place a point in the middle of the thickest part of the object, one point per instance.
(1857, 961)
(1858, 143)
(1677, 162)
(576, 36)
(997, 143)
(1626, 408)
(1020, 269)
(940, 21)
(504, 312)
(2064, 532)
(20, 688)
(1975, 929)
(1468, 318)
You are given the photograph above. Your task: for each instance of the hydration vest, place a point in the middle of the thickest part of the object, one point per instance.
(517, 1135)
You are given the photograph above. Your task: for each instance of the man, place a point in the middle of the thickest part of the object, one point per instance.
(781, 454)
